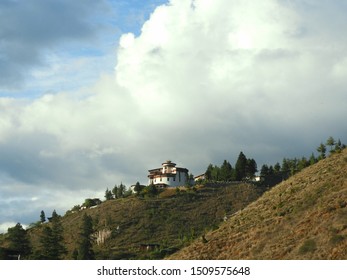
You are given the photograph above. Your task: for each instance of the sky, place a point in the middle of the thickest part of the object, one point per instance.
(95, 93)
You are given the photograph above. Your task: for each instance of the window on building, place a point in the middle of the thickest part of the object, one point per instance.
(168, 178)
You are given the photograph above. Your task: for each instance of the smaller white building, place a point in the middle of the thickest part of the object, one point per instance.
(200, 177)
(168, 175)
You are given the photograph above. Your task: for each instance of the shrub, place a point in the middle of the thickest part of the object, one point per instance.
(336, 238)
(309, 246)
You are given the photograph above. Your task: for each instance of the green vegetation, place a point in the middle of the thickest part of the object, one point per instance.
(51, 240)
(19, 241)
(309, 246)
(272, 175)
(85, 251)
(117, 192)
(245, 169)
(42, 217)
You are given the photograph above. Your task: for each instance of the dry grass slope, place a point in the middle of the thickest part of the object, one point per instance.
(170, 220)
(304, 217)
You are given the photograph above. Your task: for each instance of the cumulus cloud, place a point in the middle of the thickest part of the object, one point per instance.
(203, 80)
(238, 67)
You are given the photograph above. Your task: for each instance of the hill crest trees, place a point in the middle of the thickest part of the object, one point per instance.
(245, 169)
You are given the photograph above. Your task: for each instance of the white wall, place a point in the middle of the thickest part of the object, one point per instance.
(172, 182)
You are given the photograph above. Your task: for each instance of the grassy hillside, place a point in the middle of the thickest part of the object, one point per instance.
(304, 217)
(171, 220)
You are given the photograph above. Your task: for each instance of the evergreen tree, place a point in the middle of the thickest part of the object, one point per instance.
(312, 159)
(240, 167)
(251, 168)
(215, 173)
(264, 171)
(339, 146)
(138, 188)
(322, 150)
(46, 244)
(115, 191)
(330, 142)
(285, 166)
(277, 168)
(151, 190)
(19, 240)
(121, 190)
(85, 251)
(226, 171)
(302, 163)
(108, 194)
(42, 217)
(209, 171)
(57, 234)
(52, 240)
(55, 215)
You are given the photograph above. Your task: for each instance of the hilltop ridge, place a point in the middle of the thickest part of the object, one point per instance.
(125, 227)
(304, 217)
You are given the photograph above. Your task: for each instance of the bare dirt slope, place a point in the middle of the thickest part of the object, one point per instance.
(304, 217)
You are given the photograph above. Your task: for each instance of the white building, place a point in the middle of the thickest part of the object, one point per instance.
(200, 177)
(168, 175)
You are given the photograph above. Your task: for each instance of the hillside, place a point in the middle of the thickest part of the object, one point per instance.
(168, 222)
(304, 217)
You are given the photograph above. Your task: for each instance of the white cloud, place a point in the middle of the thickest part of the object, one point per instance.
(4, 226)
(240, 57)
(204, 80)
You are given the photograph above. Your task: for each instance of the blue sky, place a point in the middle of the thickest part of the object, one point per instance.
(94, 93)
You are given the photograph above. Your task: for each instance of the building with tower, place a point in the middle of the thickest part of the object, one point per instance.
(169, 175)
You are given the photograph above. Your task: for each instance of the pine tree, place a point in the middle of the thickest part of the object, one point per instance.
(57, 231)
(251, 168)
(338, 146)
(264, 171)
(108, 194)
(208, 172)
(330, 142)
(312, 159)
(215, 173)
(85, 251)
(138, 188)
(52, 240)
(302, 163)
(121, 190)
(42, 217)
(115, 191)
(322, 150)
(19, 240)
(240, 167)
(285, 166)
(46, 244)
(226, 171)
